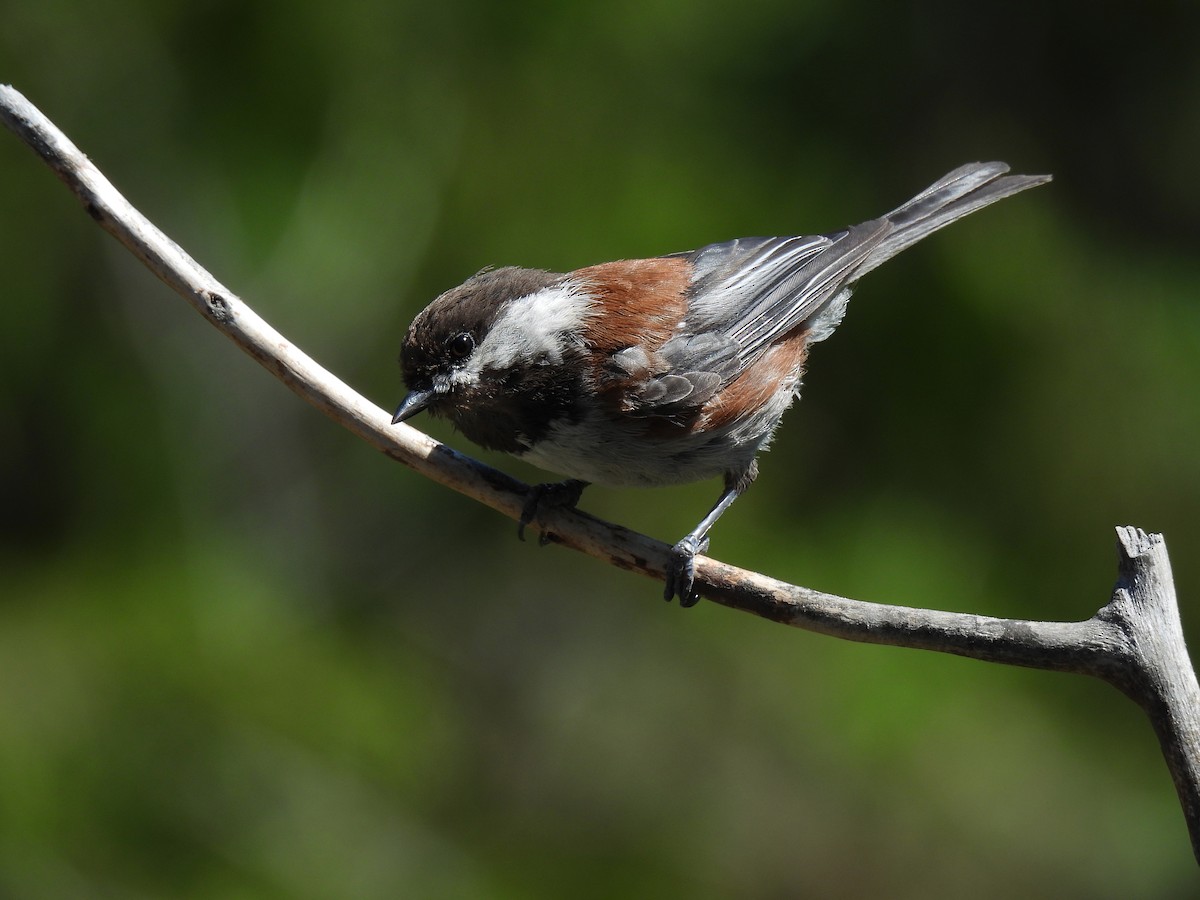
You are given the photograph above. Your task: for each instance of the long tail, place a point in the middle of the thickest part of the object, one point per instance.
(951, 197)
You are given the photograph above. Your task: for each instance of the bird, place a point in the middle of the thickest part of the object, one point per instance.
(658, 371)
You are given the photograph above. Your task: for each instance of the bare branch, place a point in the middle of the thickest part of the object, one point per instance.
(1135, 642)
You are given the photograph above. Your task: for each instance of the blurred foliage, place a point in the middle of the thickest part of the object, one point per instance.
(241, 655)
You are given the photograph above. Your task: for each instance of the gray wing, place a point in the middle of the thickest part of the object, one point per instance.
(745, 295)
(749, 293)
(755, 291)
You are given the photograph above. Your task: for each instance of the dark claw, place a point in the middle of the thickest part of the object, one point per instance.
(551, 495)
(681, 571)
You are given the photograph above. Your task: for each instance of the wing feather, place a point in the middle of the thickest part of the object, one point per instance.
(746, 295)
(757, 291)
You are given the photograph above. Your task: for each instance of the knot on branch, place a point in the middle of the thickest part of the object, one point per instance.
(216, 306)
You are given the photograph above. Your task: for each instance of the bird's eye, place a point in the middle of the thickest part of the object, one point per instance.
(461, 345)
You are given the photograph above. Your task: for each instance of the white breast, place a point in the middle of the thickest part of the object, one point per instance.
(596, 451)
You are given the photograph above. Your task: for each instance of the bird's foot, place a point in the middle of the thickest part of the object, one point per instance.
(681, 571)
(551, 495)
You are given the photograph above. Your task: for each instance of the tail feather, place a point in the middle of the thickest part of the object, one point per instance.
(957, 194)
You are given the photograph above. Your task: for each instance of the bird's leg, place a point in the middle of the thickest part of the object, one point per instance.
(681, 564)
(550, 495)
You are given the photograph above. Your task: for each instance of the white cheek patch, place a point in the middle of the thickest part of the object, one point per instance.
(538, 326)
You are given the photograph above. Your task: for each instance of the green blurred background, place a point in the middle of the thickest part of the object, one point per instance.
(244, 655)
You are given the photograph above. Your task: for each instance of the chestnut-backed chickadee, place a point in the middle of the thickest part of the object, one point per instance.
(659, 371)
